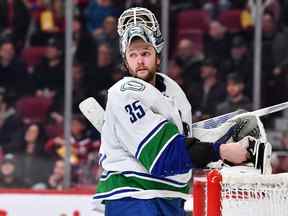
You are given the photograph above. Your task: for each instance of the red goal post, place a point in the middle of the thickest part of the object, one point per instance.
(218, 193)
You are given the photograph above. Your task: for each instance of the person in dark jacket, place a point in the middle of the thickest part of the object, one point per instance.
(15, 19)
(15, 80)
(236, 99)
(8, 178)
(209, 93)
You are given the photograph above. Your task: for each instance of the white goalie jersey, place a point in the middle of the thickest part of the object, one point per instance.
(140, 123)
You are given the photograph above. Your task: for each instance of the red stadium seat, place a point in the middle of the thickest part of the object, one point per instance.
(82, 2)
(193, 19)
(3, 213)
(196, 36)
(231, 19)
(33, 55)
(33, 109)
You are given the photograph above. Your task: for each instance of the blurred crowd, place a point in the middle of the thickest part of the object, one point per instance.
(211, 59)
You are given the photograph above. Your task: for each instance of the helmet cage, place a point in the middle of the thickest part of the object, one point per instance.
(142, 23)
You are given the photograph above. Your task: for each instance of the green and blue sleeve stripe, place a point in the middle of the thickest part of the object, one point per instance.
(163, 152)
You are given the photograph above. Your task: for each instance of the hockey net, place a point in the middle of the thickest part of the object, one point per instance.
(237, 194)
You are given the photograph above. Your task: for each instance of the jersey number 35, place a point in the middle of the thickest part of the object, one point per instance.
(135, 111)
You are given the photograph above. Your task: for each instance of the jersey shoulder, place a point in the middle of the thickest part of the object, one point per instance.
(128, 86)
(169, 81)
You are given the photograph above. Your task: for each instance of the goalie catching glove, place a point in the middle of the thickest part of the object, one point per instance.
(246, 129)
(260, 150)
(246, 125)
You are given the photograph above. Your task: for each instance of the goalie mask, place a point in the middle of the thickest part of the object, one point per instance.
(139, 22)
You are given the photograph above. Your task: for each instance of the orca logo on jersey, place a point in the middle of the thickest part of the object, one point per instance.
(132, 85)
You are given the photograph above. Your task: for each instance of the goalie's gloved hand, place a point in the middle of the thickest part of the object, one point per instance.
(235, 153)
(257, 153)
(246, 125)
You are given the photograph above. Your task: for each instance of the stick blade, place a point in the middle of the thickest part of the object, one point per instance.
(93, 111)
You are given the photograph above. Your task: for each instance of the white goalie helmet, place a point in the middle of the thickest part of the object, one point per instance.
(139, 22)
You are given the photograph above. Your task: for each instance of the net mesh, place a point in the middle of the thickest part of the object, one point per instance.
(254, 194)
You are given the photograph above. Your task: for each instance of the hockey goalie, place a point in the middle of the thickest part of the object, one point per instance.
(148, 147)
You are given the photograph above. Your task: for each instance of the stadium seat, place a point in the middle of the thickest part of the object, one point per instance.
(193, 19)
(196, 36)
(33, 55)
(3, 213)
(82, 2)
(231, 20)
(33, 109)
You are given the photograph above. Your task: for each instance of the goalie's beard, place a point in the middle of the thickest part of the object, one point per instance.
(151, 75)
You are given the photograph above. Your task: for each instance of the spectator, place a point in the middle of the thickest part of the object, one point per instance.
(217, 42)
(236, 99)
(239, 61)
(151, 4)
(12, 69)
(49, 74)
(269, 27)
(269, 30)
(49, 22)
(82, 145)
(210, 92)
(79, 87)
(79, 93)
(280, 49)
(6, 111)
(238, 4)
(33, 169)
(31, 161)
(97, 11)
(8, 178)
(117, 74)
(109, 35)
(175, 71)
(84, 151)
(52, 17)
(100, 75)
(58, 9)
(56, 179)
(246, 18)
(216, 7)
(31, 139)
(10, 124)
(190, 59)
(84, 44)
(279, 77)
(15, 19)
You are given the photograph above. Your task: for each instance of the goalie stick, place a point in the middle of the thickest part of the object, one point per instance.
(93, 111)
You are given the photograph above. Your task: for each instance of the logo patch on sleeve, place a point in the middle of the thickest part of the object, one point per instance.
(132, 85)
